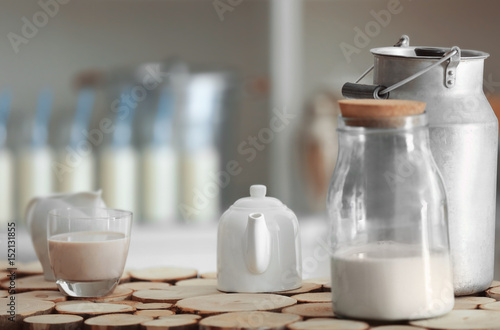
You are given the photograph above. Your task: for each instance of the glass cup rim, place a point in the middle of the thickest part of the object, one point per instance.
(117, 213)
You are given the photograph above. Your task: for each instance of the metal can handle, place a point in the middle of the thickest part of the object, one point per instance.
(355, 90)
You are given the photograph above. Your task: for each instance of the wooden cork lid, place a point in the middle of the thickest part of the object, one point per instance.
(366, 108)
(381, 113)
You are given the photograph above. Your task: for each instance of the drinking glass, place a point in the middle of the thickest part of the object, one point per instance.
(88, 248)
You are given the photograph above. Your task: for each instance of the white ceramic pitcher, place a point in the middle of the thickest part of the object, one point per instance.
(36, 219)
(258, 246)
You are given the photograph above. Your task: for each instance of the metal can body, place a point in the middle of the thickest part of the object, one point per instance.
(464, 144)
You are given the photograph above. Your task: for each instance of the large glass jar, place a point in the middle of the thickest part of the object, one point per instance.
(387, 208)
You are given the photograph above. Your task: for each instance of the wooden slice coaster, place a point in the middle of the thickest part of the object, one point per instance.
(22, 308)
(494, 284)
(467, 302)
(53, 322)
(331, 324)
(467, 319)
(47, 295)
(87, 308)
(306, 287)
(248, 320)
(198, 281)
(125, 302)
(116, 322)
(154, 313)
(495, 306)
(4, 275)
(173, 293)
(31, 283)
(396, 327)
(28, 269)
(185, 316)
(212, 275)
(311, 310)
(125, 278)
(494, 292)
(4, 264)
(314, 297)
(143, 306)
(67, 302)
(234, 302)
(171, 323)
(143, 285)
(163, 274)
(119, 293)
(318, 280)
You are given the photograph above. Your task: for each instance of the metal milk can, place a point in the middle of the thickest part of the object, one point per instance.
(464, 138)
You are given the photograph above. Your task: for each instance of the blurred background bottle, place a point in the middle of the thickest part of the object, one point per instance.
(6, 162)
(34, 157)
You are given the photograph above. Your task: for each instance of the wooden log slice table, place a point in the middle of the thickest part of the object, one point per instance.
(88, 308)
(163, 274)
(306, 287)
(311, 310)
(212, 275)
(12, 315)
(143, 306)
(234, 302)
(48, 295)
(173, 294)
(152, 297)
(29, 269)
(144, 285)
(494, 306)
(198, 281)
(330, 324)
(30, 283)
(463, 319)
(248, 320)
(467, 302)
(396, 327)
(173, 322)
(154, 313)
(116, 322)
(53, 322)
(314, 297)
(118, 294)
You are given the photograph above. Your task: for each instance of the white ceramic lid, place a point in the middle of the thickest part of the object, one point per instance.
(258, 199)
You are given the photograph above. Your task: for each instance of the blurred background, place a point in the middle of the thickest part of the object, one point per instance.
(174, 108)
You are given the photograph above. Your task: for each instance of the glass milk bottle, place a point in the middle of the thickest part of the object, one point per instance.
(75, 166)
(34, 159)
(388, 215)
(159, 160)
(6, 164)
(118, 164)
